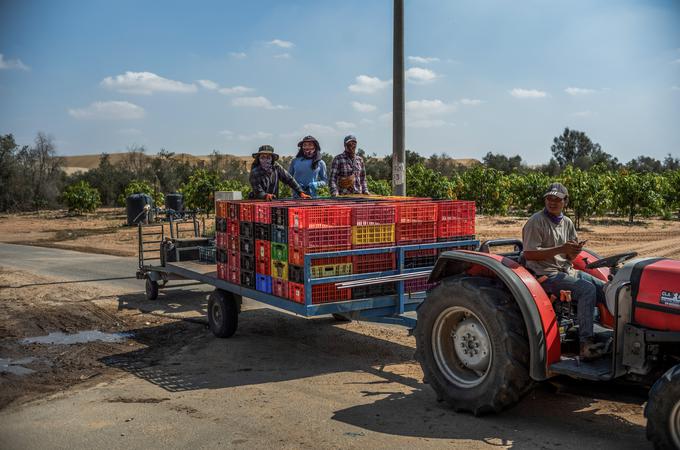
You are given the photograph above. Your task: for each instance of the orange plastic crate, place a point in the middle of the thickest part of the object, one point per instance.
(364, 214)
(296, 255)
(246, 212)
(221, 209)
(416, 233)
(328, 215)
(416, 212)
(320, 238)
(376, 262)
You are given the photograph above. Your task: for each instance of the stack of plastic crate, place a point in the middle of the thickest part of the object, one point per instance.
(221, 239)
(417, 224)
(314, 229)
(455, 220)
(231, 243)
(246, 243)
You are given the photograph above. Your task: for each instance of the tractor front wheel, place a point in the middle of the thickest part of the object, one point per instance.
(472, 345)
(663, 411)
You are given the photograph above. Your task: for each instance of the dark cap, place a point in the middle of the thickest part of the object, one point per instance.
(350, 138)
(266, 150)
(309, 139)
(558, 190)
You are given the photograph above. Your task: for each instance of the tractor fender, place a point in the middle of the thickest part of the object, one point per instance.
(535, 306)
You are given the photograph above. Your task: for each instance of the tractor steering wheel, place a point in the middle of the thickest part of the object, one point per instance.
(611, 261)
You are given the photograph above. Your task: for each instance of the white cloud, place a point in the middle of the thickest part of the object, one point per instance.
(238, 55)
(256, 102)
(280, 43)
(426, 123)
(527, 93)
(422, 59)
(579, 91)
(342, 125)
(145, 83)
(282, 56)
(368, 85)
(470, 102)
(12, 64)
(420, 75)
(114, 110)
(318, 128)
(363, 107)
(428, 107)
(236, 90)
(207, 84)
(254, 136)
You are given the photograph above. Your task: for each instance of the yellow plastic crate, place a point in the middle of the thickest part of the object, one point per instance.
(331, 270)
(372, 234)
(280, 269)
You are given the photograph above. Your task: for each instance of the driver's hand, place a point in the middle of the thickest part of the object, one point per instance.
(571, 249)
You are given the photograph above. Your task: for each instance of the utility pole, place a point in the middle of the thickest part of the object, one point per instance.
(398, 110)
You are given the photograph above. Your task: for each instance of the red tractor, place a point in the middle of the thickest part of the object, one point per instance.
(488, 330)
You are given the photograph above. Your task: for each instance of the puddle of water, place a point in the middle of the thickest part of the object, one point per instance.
(81, 337)
(14, 367)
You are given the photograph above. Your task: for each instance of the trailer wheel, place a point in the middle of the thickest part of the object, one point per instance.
(151, 289)
(472, 345)
(223, 310)
(663, 411)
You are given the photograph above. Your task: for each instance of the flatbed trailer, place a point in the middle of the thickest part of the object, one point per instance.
(384, 309)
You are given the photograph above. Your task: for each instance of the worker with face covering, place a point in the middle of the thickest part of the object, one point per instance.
(308, 169)
(266, 173)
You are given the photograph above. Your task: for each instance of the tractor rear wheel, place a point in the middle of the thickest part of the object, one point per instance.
(663, 411)
(472, 345)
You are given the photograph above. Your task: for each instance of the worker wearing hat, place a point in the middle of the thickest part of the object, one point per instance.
(308, 169)
(265, 174)
(550, 245)
(348, 175)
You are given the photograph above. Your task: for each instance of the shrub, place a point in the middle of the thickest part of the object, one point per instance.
(81, 197)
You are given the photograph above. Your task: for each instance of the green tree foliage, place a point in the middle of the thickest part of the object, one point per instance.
(527, 191)
(575, 148)
(589, 192)
(489, 188)
(378, 187)
(80, 197)
(199, 190)
(424, 182)
(645, 164)
(141, 187)
(671, 196)
(503, 163)
(637, 193)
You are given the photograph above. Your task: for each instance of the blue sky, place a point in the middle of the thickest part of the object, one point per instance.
(482, 76)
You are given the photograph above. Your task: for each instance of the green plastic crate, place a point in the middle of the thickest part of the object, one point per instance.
(279, 252)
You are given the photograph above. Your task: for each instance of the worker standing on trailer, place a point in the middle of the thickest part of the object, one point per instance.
(348, 174)
(550, 245)
(308, 169)
(265, 174)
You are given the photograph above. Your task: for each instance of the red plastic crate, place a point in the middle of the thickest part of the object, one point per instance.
(455, 227)
(233, 227)
(234, 275)
(328, 215)
(262, 212)
(455, 209)
(377, 262)
(417, 285)
(222, 271)
(233, 258)
(232, 210)
(416, 212)
(320, 238)
(263, 267)
(296, 255)
(280, 287)
(416, 233)
(221, 209)
(373, 214)
(263, 251)
(232, 243)
(246, 212)
(321, 293)
(221, 240)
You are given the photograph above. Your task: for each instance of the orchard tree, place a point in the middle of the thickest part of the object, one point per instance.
(589, 192)
(80, 197)
(527, 191)
(423, 182)
(637, 193)
(489, 188)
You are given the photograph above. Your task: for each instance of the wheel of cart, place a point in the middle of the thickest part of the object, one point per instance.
(223, 310)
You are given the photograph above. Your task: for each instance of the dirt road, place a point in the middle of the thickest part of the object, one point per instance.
(282, 381)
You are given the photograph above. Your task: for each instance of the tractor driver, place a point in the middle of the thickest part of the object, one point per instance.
(550, 245)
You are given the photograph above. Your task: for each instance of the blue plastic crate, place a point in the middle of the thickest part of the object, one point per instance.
(263, 283)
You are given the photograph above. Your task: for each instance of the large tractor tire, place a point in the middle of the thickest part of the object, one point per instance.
(223, 311)
(472, 345)
(663, 411)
